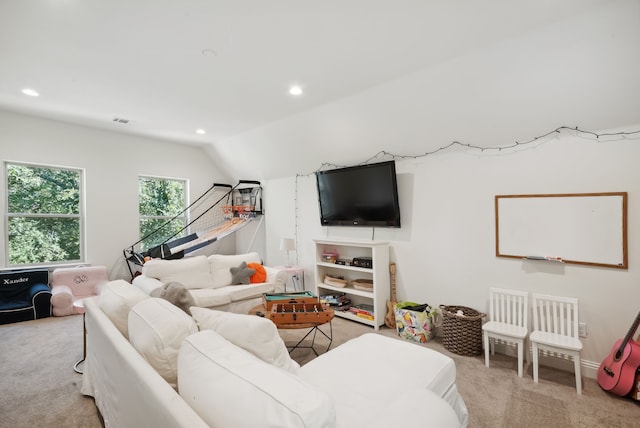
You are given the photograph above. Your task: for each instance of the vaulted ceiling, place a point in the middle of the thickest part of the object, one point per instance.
(165, 69)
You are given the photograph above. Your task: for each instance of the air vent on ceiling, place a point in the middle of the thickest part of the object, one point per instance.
(120, 120)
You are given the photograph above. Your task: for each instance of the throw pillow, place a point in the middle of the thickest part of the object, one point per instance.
(241, 274)
(156, 330)
(116, 300)
(176, 294)
(220, 264)
(192, 272)
(229, 387)
(252, 333)
(260, 275)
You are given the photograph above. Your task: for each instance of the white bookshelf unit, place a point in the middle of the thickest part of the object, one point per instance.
(379, 273)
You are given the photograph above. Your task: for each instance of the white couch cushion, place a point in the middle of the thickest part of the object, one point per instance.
(210, 297)
(192, 272)
(249, 291)
(146, 283)
(434, 371)
(407, 401)
(219, 265)
(116, 300)
(157, 329)
(230, 387)
(437, 371)
(252, 333)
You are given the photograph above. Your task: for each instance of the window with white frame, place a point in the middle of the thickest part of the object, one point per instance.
(162, 203)
(44, 214)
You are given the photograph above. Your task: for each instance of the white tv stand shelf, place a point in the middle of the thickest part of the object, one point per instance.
(379, 273)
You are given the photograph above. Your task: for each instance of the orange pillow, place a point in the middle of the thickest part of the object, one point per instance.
(260, 275)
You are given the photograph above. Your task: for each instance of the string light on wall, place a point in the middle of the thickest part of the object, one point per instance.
(517, 144)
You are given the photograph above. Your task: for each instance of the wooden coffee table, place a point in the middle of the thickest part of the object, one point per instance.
(313, 327)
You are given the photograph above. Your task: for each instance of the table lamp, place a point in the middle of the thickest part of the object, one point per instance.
(287, 244)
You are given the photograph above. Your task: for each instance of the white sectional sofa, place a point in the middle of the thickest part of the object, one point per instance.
(209, 280)
(233, 370)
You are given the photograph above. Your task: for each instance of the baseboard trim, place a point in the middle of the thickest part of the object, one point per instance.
(589, 368)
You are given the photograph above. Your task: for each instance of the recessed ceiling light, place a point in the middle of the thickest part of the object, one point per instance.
(30, 92)
(295, 90)
(201, 131)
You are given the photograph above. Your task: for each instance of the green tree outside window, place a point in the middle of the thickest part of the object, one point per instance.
(44, 214)
(160, 200)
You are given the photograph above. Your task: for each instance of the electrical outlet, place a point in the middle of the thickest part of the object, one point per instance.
(582, 329)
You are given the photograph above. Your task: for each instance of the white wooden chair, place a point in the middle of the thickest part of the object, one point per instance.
(507, 322)
(555, 329)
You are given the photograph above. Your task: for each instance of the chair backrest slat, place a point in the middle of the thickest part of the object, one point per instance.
(555, 314)
(508, 306)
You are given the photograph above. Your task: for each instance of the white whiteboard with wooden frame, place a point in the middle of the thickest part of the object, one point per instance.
(579, 228)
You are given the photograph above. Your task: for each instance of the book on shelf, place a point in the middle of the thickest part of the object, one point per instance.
(342, 304)
(364, 307)
(333, 296)
(363, 310)
(336, 300)
(361, 314)
(365, 316)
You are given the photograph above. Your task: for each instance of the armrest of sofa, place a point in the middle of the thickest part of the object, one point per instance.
(36, 290)
(61, 300)
(41, 299)
(277, 277)
(146, 283)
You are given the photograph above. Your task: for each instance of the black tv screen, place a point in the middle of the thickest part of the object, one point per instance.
(363, 195)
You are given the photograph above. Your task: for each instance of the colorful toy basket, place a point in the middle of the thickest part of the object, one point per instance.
(414, 325)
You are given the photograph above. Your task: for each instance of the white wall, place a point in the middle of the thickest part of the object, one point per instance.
(112, 164)
(445, 250)
(577, 72)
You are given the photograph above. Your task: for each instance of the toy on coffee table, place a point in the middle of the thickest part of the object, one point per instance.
(288, 313)
(299, 297)
(296, 308)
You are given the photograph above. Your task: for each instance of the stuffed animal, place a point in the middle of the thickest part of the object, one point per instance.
(241, 274)
(177, 294)
(260, 275)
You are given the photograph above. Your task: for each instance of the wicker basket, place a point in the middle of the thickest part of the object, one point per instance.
(462, 334)
(336, 282)
(362, 284)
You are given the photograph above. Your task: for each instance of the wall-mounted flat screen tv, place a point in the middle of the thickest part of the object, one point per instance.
(363, 195)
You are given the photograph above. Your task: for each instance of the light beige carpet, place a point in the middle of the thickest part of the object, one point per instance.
(497, 397)
(39, 387)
